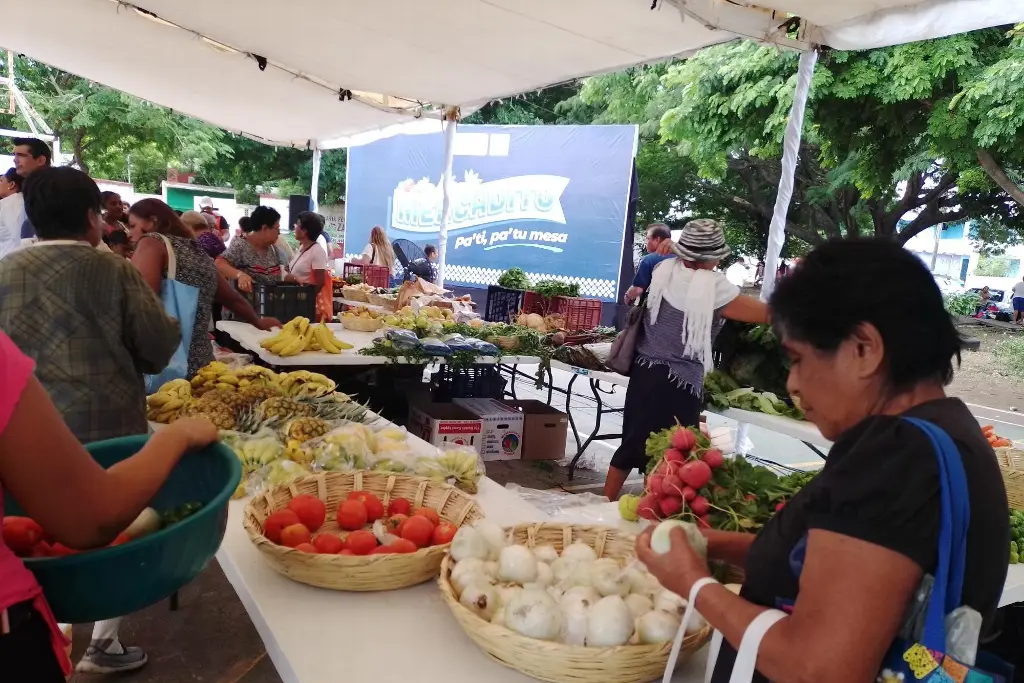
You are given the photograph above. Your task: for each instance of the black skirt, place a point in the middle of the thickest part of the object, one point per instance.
(653, 403)
(26, 653)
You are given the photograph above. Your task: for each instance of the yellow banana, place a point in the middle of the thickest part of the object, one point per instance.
(326, 339)
(303, 325)
(298, 344)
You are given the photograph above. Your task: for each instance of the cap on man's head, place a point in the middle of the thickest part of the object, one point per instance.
(205, 203)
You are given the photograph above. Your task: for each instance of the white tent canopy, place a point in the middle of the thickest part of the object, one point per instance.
(199, 56)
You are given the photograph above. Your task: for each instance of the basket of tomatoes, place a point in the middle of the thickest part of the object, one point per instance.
(358, 531)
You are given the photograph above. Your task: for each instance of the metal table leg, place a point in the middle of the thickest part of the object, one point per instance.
(595, 435)
(568, 412)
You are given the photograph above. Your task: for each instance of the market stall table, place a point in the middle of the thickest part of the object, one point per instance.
(364, 304)
(249, 337)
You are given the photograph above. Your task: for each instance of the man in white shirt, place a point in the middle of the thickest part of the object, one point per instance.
(12, 212)
(1018, 302)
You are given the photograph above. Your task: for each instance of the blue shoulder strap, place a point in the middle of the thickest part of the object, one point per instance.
(954, 522)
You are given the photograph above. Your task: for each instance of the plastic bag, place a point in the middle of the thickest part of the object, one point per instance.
(963, 629)
(403, 340)
(556, 503)
(456, 342)
(483, 348)
(234, 361)
(347, 448)
(435, 347)
(459, 466)
(254, 451)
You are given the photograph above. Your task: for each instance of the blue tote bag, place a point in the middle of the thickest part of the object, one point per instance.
(181, 302)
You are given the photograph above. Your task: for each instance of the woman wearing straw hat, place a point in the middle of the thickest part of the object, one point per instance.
(687, 303)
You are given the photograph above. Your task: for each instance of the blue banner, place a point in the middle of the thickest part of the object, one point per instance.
(551, 200)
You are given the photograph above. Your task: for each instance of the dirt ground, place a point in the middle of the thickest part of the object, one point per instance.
(980, 378)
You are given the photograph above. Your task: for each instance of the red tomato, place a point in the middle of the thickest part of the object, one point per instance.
(443, 533)
(429, 513)
(399, 506)
(21, 534)
(418, 530)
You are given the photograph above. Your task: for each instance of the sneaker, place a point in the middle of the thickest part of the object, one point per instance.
(96, 661)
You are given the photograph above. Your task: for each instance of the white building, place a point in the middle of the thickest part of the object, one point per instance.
(947, 250)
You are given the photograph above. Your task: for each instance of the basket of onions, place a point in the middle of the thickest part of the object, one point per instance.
(564, 603)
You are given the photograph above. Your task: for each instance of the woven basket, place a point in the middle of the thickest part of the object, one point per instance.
(1011, 466)
(507, 343)
(555, 662)
(355, 294)
(349, 572)
(361, 324)
(384, 301)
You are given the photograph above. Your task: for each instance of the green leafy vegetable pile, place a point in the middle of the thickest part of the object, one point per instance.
(722, 391)
(550, 288)
(514, 278)
(753, 356)
(1016, 535)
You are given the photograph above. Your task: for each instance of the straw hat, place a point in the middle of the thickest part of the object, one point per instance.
(702, 240)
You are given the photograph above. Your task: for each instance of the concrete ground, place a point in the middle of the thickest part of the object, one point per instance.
(211, 639)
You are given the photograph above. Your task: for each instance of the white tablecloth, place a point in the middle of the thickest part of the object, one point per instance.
(249, 338)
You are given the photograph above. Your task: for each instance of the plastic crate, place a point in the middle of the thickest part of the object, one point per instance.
(476, 381)
(110, 582)
(503, 304)
(374, 276)
(282, 300)
(579, 313)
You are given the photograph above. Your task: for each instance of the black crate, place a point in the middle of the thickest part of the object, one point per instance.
(282, 300)
(475, 381)
(503, 304)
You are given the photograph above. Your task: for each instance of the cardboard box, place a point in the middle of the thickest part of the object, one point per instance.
(445, 423)
(545, 430)
(502, 427)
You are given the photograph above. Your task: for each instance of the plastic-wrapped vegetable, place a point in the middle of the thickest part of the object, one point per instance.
(484, 348)
(456, 342)
(403, 340)
(435, 347)
(458, 466)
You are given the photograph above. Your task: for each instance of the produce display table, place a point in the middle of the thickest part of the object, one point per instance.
(797, 429)
(372, 307)
(249, 337)
(313, 634)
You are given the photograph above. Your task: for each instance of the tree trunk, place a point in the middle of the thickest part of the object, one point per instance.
(998, 175)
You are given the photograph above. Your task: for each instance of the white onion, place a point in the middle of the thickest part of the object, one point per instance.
(460, 582)
(469, 543)
(493, 534)
(546, 553)
(562, 568)
(657, 627)
(639, 605)
(535, 614)
(608, 578)
(575, 631)
(481, 598)
(661, 541)
(506, 593)
(667, 601)
(582, 574)
(697, 623)
(580, 595)
(580, 552)
(642, 582)
(498, 619)
(545, 577)
(516, 564)
(609, 623)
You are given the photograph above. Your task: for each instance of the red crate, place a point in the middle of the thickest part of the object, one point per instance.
(374, 276)
(579, 313)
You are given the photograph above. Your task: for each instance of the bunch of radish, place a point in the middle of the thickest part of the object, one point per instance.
(675, 486)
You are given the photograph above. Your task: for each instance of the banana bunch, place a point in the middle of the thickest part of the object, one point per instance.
(167, 402)
(255, 376)
(305, 384)
(253, 453)
(456, 466)
(300, 335)
(215, 375)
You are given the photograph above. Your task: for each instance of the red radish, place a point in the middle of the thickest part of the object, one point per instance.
(673, 486)
(670, 505)
(780, 506)
(689, 494)
(750, 496)
(655, 484)
(648, 508)
(713, 458)
(672, 455)
(702, 521)
(683, 440)
(695, 473)
(700, 506)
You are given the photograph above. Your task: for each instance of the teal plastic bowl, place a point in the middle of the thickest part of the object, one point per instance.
(107, 583)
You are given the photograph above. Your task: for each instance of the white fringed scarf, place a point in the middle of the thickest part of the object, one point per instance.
(691, 291)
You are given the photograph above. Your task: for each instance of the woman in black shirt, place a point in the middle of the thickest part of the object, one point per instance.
(870, 519)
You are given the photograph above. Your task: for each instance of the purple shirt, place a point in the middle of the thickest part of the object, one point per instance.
(210, 243)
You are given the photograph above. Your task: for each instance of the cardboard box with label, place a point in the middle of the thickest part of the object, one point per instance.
(444, 424)
(544, 430)
(502, 427)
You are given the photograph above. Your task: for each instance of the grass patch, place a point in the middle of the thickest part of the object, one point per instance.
(1010, 355)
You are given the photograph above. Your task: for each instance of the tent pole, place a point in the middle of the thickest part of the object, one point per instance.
(314, 186)
(790, 156)
(451, 115)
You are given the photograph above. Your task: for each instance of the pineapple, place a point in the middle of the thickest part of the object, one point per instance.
(283, 408)
(231, 399)
(302, 429)
(215, 411)
(252, 419)
(334, 408)
(257, 394)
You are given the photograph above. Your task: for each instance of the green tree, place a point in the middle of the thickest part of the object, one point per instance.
(100, 127)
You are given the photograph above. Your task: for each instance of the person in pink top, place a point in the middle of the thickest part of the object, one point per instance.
(75, 500)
